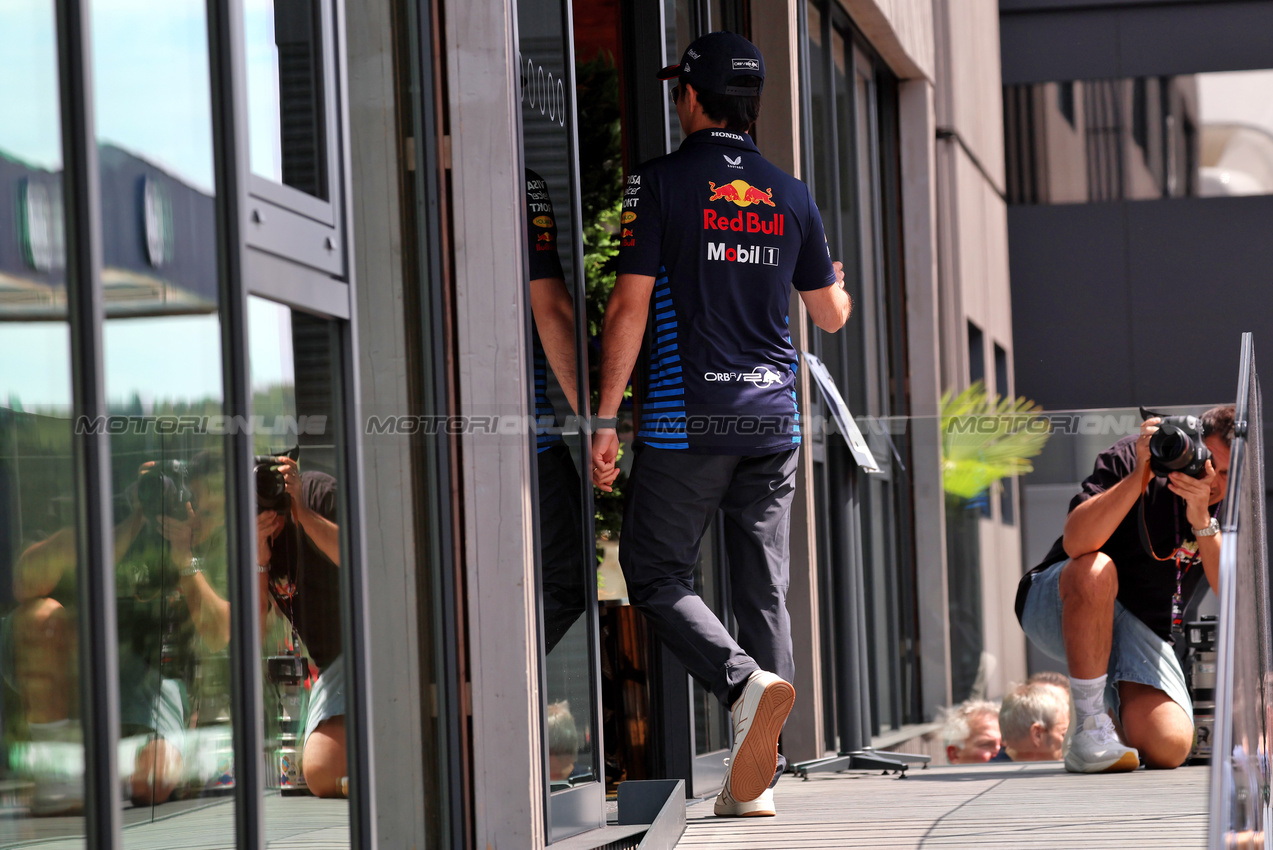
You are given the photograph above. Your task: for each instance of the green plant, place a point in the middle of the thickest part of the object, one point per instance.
(986, 438)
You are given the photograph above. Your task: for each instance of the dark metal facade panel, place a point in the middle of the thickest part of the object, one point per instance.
(1070, 310)
(1136, 302)
(1133, 39)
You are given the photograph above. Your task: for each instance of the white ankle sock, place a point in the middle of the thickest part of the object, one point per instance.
(1089, 698)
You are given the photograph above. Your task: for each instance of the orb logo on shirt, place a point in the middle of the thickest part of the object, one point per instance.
(742, 193)
(761, 376)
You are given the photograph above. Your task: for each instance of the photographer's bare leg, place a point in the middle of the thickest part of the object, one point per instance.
(323, 760)
(1089, 587)
(1155, 725)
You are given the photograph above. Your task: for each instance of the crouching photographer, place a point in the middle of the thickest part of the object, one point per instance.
(298, 556)
(1109, 598)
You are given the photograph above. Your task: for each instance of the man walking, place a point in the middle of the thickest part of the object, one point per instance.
(714, 237)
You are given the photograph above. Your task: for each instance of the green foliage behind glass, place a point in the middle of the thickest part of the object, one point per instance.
(986, 438)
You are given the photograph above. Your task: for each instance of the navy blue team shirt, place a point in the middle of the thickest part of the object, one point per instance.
(725, 234)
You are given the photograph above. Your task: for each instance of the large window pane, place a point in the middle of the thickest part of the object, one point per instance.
(288, 139)
(294, 359)
(162, 365)
(41, 731)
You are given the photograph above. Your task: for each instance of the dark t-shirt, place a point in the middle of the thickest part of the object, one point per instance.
(725, 234)
(1145, 585)
(303, 582)
(543, 262)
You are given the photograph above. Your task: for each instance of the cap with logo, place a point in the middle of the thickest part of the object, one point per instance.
(713, 61)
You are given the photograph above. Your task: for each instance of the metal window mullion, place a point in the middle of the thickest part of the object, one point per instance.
(227, 68)
(99, 660)
(355, 616)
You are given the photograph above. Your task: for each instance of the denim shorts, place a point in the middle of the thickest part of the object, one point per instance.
(1138, 653)
(326, 698)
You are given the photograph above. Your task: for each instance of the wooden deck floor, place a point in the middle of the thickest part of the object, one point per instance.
(984, 806)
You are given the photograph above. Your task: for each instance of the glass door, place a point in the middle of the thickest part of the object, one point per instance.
(555, 261)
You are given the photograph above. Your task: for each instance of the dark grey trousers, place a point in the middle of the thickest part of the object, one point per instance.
(671, 498)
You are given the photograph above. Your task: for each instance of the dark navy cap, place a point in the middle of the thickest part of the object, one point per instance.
(713, 61)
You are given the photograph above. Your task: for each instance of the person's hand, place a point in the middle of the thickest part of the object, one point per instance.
(268, 525)
(180, 533)
(839, 273)
(1147, 430)
(1197, 495)
(291, 472)
(605, 448)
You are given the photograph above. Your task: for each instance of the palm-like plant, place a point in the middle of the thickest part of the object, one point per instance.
(986, 438)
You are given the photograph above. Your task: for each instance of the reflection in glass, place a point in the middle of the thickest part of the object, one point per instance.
(41, 731)
(162, 366)
(551, 233)
(293, 357)
(1144, 137)
(284, 45)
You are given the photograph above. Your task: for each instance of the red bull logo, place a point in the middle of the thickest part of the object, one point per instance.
(627, 234)
(742, 193)
(743, 222)
(544, 237)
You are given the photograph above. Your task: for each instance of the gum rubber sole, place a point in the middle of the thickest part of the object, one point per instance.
(1129, 761)
(752, 768)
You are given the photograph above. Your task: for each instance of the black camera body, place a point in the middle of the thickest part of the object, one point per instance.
(1177, 446)
(162, 490)
(271, 489)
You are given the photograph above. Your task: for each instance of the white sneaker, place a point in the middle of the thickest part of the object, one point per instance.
(727, 807)
(1095, 748)
(758, 716)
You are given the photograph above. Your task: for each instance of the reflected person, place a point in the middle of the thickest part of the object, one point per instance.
(163, 601)
(553, 343)
(298, 556)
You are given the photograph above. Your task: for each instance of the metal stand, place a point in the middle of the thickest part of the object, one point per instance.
(852, 692)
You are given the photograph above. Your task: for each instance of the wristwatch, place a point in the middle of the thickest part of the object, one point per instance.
(600, 422)
(1212, 529)
(196, 566)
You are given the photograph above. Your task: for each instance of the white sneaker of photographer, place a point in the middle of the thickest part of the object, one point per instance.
(1095, 748)
(757, 716)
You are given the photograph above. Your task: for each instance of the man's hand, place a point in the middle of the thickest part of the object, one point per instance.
(839, 273)
(268, 525)
(181, 534)
(1197, 495)
(830, 306)
(1147, 430)
(605, 448)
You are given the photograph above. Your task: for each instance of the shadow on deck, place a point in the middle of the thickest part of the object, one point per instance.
(1035, 805)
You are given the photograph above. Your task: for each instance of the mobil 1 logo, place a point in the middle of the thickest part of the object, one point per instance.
(761, 255)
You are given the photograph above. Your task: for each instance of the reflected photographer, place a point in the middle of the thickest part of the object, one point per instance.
(298, 556)
(1109, 598)
(169, 617)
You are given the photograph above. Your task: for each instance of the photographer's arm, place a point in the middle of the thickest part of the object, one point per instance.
(1197, 495)
(324, 532)
(208, 611)
(321, 530)
(42, 565)
(1091, 523)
